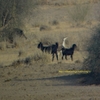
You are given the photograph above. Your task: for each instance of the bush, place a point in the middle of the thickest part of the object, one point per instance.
(93, 61)
(10, 34)
(44, 28)
(40, 57)
(27, 60)
(55, 22)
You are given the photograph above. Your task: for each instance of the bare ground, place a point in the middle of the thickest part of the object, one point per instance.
(44, 82)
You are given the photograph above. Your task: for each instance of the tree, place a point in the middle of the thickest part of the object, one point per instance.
(10, 11)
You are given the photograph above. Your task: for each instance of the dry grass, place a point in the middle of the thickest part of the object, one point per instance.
(27, 73)
(55, 24)
(78, 14)
(65, 2)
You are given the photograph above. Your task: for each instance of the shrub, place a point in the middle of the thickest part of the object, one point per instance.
(19, 62)
(44, 28)
(55, 22)
(40, 57)
(10, 34)
(28, 60)
(93, 61)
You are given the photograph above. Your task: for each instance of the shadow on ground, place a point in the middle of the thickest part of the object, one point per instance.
(73, 80)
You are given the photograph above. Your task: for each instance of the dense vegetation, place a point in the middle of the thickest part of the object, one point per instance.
(93, 61)
(11, 12)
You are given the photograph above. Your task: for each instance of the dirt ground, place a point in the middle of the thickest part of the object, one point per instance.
(44, 82)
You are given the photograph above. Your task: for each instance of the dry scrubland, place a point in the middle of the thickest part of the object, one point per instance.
(28, 74)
